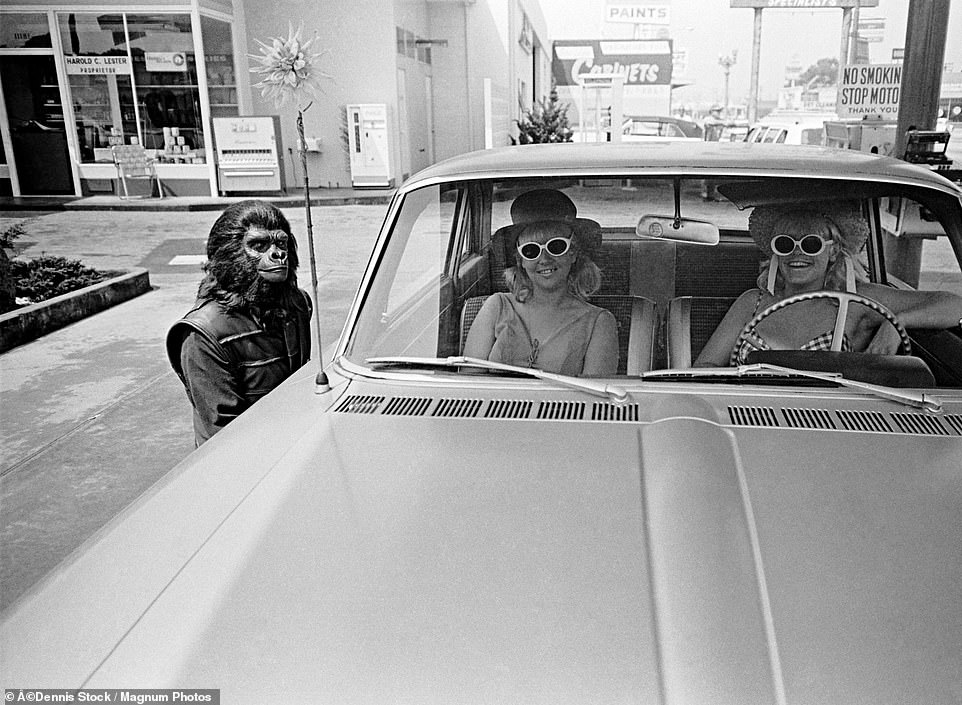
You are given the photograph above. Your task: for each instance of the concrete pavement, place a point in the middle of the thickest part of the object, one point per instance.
(92, 415)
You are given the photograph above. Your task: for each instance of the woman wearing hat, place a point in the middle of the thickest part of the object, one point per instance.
(546, 321)
(815, 249)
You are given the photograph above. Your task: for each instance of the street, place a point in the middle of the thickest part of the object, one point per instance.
(92, 413)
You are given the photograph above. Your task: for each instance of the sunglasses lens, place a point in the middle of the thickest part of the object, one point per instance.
(530, 250)
(556, 246)
(811, 244)
(783, 245)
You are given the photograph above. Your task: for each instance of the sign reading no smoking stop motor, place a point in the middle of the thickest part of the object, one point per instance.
(869, 89)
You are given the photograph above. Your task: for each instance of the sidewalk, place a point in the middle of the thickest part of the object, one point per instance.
(92, 415)
(319, 197)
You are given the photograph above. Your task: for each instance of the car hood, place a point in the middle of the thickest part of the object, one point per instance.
(400, 556)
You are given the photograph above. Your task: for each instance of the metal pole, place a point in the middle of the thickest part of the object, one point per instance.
(756, 63)
(925, 37)
(846, 34)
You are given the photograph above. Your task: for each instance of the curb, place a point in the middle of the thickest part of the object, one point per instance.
(187, 203)
(31, 322)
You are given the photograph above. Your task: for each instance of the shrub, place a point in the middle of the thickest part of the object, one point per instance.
(31, 281)
(547, 121)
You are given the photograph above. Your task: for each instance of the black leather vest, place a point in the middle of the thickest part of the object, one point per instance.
(261, 357)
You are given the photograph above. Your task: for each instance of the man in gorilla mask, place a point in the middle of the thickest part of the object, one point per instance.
(250, 327)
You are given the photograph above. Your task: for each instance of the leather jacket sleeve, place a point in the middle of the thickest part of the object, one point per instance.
(211, 386)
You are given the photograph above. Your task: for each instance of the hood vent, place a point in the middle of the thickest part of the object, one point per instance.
(864, 421)
(916, 424)
(919, 425)
(355, 404)
(407, 406)
(809, 418)
(561, 410)
(459, 408)
(752, 416)
(955, 421)
(508, 409)
(602, 411)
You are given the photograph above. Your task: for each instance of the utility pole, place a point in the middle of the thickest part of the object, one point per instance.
(925, 36)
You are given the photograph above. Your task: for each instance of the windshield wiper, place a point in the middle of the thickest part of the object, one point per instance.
(609, 391)
(918, 400)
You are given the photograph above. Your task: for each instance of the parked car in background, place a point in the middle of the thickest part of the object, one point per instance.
(726, 131)
(443, 529)
(645, 127)
(790, 128)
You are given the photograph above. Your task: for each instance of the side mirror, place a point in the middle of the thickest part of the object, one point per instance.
(668, 227)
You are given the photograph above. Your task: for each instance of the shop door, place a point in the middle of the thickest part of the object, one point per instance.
(37, 130)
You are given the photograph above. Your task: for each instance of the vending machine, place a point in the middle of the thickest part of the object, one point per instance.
(248, 153)
(370, 145)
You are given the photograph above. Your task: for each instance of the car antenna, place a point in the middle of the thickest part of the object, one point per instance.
(321, 383)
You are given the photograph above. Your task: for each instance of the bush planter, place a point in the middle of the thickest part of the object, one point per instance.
(31, 322)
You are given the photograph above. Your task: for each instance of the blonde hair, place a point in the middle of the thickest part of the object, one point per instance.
(584, 277)
(844, 225)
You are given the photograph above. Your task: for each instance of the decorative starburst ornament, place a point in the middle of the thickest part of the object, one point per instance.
(290, 75)
(289, 69)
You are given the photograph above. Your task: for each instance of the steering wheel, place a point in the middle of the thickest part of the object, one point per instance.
(843, 298)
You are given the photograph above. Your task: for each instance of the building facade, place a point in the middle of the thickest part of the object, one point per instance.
(410, 82)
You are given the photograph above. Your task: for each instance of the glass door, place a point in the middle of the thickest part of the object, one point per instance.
(37, 131)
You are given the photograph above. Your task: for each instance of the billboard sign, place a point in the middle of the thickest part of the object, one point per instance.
(869, 89)
(641, 62)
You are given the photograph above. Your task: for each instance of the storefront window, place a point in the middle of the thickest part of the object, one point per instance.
(165, 74)
(99, 73)
(24, 31)
(134, 82)
(219, 59)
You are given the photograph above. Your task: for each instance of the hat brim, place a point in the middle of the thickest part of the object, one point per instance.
(587, 234)
(847, 219)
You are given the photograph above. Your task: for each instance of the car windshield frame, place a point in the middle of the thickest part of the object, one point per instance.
(476, 205)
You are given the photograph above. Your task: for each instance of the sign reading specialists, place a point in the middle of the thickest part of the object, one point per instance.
(642, 63)
(869, 89)
(97, 65)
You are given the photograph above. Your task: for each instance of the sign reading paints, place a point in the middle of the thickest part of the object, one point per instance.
(869, 89)
(97, 65)
(640, 62)
(638, 14)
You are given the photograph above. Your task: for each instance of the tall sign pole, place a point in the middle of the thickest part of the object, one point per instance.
(758, 5)
(925, 36)
(756, 64)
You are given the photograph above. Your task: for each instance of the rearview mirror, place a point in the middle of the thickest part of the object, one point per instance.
(668, 227)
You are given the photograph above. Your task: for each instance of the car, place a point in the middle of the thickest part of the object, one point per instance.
(434, 528)
(790, 127)
(726, 131)
(645, 127)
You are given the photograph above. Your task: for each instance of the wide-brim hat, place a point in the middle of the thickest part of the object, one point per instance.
(548, 205)
(851, 228)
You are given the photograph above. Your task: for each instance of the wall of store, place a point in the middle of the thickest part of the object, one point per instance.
(358, 39)
(454, 76)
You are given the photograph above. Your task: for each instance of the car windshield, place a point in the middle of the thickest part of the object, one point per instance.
(674, 254)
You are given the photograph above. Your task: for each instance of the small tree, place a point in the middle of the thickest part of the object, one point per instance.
(546, 122)
(822, 73)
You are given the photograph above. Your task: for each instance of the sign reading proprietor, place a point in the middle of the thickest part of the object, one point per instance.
(869, 89)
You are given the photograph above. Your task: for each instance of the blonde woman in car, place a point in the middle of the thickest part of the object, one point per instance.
(546, 321)
(812, 249)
